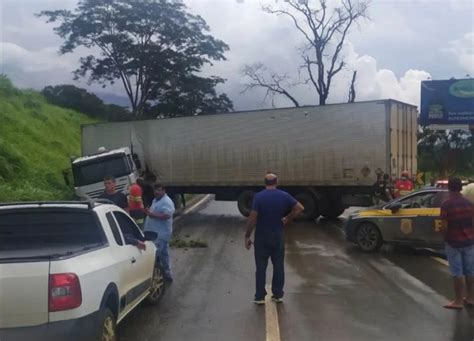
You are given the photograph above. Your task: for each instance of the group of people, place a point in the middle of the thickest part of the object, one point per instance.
(387, 190)
(158, 217)
(273, 209)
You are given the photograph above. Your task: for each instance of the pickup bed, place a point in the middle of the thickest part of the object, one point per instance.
(70, 270)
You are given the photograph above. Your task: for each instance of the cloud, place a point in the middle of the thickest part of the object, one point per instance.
(390, 52)
(463, 51)
(372, 83)
(375, 83)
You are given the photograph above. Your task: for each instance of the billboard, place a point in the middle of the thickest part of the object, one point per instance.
(447, 102)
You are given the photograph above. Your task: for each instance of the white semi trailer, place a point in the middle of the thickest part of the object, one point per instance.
(326, 156)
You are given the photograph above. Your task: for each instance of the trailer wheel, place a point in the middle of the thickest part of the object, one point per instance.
(334, 210)
(311, 208)
(244, 202)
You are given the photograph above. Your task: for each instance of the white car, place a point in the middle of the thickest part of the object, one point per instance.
(68, 270)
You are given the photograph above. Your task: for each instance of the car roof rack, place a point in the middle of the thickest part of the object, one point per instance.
(90, 203)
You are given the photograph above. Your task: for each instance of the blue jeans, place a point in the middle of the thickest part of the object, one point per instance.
(272, 247)
(163, 254)
(461, 260)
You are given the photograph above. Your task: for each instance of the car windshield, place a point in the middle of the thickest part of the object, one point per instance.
(45, 232)
(93, 171)
(422, 200)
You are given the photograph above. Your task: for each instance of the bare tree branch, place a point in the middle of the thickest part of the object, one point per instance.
(325, 30)
(260, 77)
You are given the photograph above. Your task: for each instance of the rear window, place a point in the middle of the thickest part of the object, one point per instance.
(42, 231)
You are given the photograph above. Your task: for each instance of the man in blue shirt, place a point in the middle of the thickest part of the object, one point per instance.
(160, 220)
(272, 210)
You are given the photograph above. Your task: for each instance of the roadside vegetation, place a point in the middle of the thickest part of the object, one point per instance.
(178, 242)
(36, 142)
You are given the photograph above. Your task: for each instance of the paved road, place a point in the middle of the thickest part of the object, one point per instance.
(333, 291)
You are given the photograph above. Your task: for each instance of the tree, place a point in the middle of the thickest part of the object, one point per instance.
(352, 91)
(445, 152)
(144, 44)
(191, 95)
(275, 84)
(72, 97)
(324, 31)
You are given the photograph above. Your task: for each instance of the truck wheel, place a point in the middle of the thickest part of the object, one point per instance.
(311, 209)
(178, 203)
(107, 325)
(244, 202)
(335, 209)
(157, 288)
(368, 237)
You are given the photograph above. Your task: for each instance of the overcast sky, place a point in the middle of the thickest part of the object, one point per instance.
(404, 42)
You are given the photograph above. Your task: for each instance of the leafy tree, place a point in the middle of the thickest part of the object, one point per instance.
(192, 95)
(445, 152)
(147, 45)
(72, 97)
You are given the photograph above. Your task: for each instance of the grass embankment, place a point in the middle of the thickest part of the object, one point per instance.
(36, 142)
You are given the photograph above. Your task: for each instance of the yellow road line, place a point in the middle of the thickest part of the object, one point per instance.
(440, 260)
(271, 318)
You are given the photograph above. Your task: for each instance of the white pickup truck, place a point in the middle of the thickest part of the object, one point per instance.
(69, 270)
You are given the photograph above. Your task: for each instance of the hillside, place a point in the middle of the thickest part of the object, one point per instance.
(36, 142)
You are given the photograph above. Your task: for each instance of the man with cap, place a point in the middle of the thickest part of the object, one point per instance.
(272, 210)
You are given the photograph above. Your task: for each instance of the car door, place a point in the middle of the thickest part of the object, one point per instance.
(435, 236)
(414, 222)
(122, 260)
(142, 261)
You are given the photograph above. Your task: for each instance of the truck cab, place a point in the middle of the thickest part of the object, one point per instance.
(89, 171)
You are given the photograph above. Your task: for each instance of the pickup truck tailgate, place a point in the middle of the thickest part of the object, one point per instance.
(23, 294)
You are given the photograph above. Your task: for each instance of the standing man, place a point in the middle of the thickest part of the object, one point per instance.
(457, 214)
(120, 200)
(160, 220)
(135, 202)
(110, 193)
(382, 189)
(403, 186)
(272, 209)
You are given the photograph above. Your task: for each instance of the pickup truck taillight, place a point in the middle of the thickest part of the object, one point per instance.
(64, 292)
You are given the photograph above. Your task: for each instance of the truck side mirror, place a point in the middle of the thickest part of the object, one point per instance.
(136, 160)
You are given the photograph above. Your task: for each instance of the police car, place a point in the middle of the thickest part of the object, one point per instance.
(411, 220)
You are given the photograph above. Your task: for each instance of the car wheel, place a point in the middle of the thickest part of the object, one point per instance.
(157, 288)
(368, 237)
(107, 325)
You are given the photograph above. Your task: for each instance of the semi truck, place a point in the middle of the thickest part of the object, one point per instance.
(329, 157)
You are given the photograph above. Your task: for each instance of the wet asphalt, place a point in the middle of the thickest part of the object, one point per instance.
(332, 292)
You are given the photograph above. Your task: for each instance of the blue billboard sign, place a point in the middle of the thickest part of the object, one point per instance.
(447, 102)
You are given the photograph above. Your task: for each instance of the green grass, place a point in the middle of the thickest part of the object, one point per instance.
(179, 243)
(36, 142)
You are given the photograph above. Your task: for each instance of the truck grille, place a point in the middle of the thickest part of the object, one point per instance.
(96, 194)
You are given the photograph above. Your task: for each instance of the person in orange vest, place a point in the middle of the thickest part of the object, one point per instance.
(403, 186)
(135, 203)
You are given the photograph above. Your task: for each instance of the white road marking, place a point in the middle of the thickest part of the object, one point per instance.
(440, 260)
(190, 209)
(271, 318)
